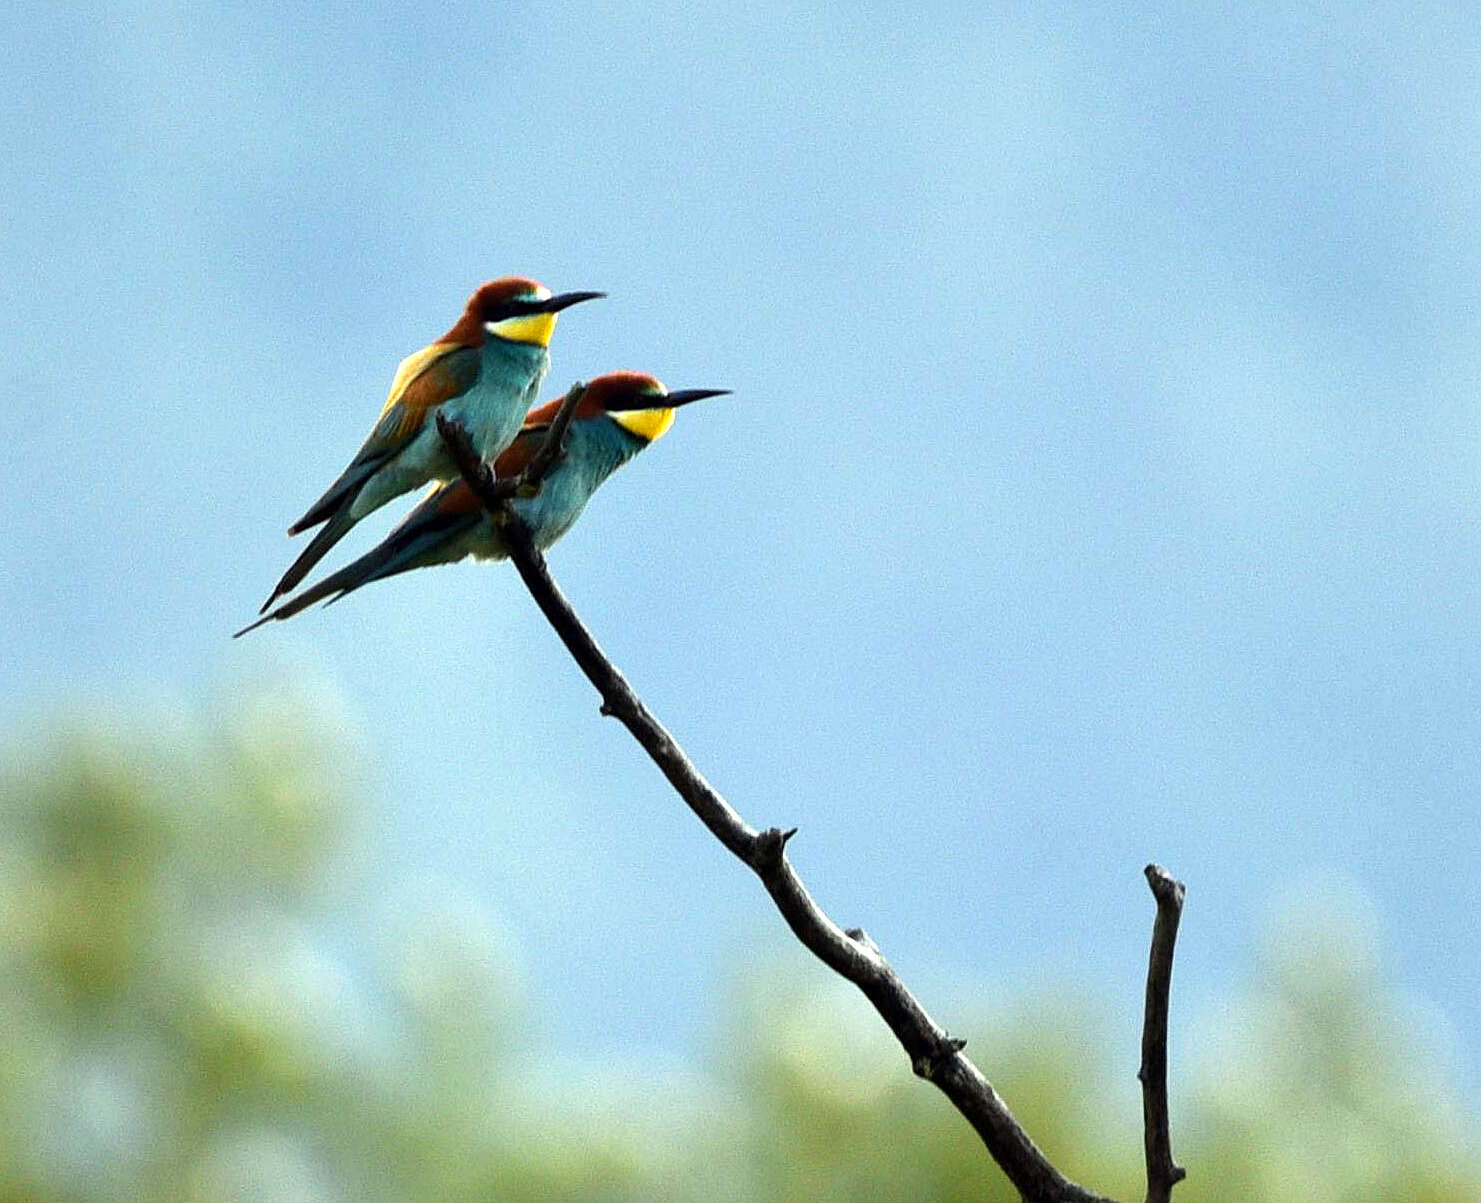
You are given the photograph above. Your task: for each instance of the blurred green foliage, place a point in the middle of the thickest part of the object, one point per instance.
(181, 1024)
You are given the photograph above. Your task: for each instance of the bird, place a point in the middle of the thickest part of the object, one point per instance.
(485, 373)
(618, 415)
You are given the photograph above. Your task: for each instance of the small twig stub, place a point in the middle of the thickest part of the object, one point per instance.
(1163, 1173)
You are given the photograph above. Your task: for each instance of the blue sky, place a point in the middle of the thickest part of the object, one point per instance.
(1101, 482)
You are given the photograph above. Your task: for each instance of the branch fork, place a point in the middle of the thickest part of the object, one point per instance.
(935, 1055)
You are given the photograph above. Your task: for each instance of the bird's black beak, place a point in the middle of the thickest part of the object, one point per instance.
(564, 300)
(685, 396)
(666, 401)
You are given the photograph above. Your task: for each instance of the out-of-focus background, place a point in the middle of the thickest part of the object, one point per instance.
(1101, 485)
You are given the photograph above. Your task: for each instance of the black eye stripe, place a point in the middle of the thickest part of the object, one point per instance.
(501, 310)
(632, 402)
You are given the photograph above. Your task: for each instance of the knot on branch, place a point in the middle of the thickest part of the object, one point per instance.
(927, 1065)
(771, 847)
(619, 708)
(862, 938)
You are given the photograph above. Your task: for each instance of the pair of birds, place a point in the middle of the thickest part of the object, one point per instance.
(484, 374)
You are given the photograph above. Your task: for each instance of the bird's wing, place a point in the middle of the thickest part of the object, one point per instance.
(424, 381)
(447, 507)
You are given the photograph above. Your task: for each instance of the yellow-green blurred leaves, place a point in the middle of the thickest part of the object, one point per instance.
(1319, 1087)
(182, 1021)
(284, 755)
(838, 1113)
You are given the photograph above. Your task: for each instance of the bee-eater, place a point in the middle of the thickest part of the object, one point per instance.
(619, 415)
(485, 372)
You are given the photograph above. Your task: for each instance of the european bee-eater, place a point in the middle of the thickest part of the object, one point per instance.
(485, 372)
(617, 417)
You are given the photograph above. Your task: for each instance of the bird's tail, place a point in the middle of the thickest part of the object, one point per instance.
(385, 559)
(331, 533)
(428, 535)
(302, 602)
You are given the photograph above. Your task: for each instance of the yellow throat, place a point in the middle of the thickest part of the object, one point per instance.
(534, 328)
(648, 424)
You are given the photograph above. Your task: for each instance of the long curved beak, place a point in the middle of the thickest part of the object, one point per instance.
(685, 396)
(564, 300)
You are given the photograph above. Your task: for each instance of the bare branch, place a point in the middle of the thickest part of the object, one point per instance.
(1163, 1173)
(553, 449)
(934, 1054)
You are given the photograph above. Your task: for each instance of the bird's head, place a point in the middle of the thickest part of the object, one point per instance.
(514, 309)
(638, 403)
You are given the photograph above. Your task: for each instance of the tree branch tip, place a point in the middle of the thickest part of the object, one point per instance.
(1166, 888)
